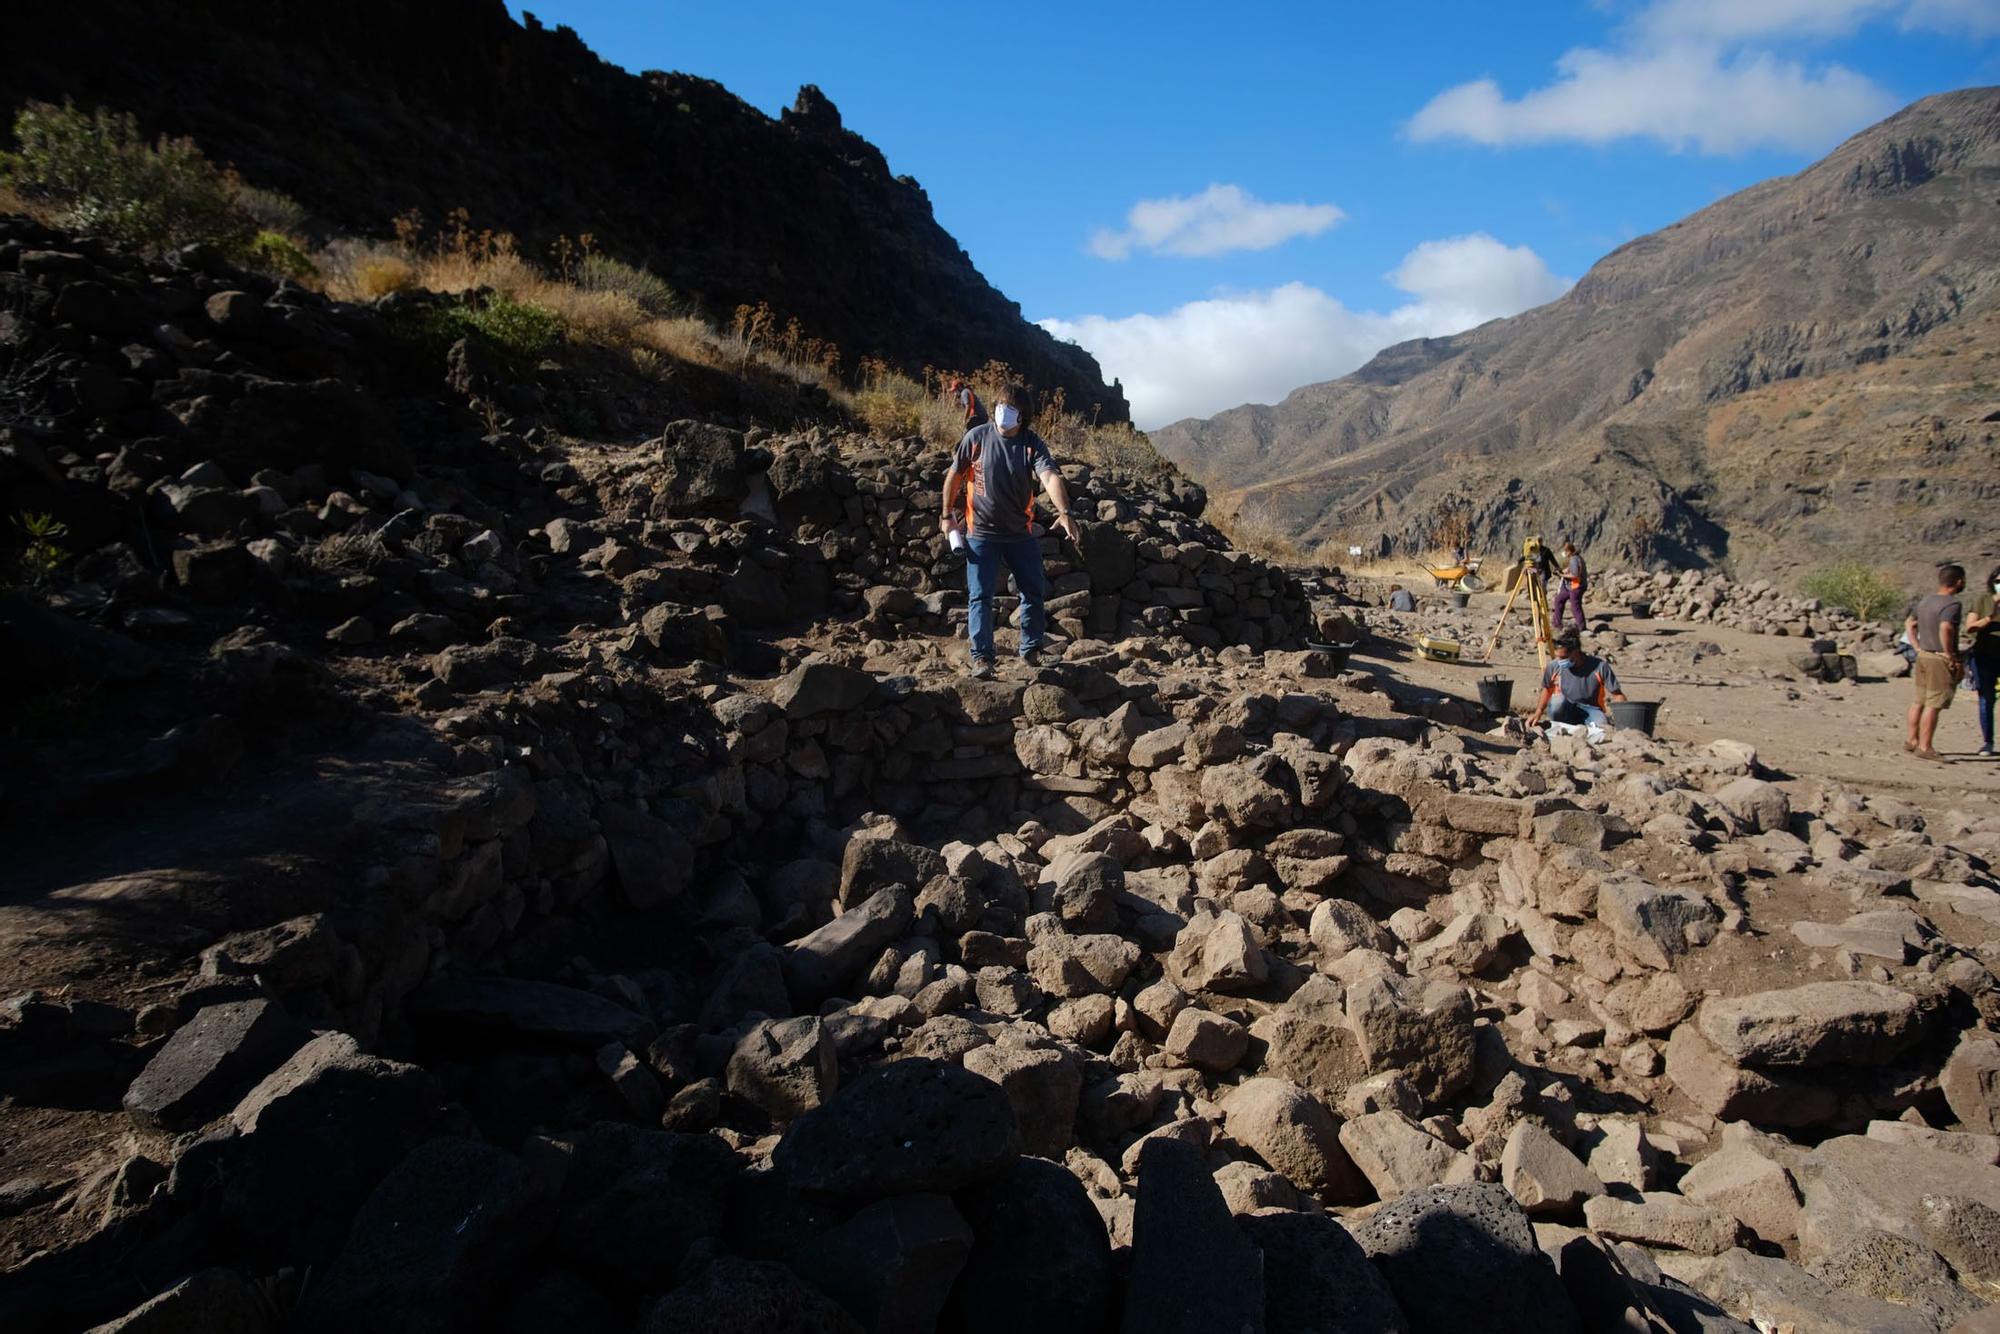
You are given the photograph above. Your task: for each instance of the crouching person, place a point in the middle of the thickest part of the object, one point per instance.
(989, 494)
(1580, 687)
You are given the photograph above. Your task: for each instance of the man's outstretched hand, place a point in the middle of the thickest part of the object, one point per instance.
(1069, 529)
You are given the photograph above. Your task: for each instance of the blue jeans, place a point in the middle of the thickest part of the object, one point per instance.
(1982, 674)
(1566, 711)
(983, 558)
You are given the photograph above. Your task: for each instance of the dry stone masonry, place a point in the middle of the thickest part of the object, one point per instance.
(654, 929)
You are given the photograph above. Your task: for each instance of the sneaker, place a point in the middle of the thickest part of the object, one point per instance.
(981, 669)
(1032, 659)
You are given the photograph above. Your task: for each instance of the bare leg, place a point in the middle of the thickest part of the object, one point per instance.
(1916, 712)
(1927, 729)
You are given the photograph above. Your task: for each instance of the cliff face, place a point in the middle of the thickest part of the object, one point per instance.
(1790, 374)
(363, 110)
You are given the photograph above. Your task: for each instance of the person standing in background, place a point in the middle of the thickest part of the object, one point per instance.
(1932, 627)
(1982, 657)
(1570, 584)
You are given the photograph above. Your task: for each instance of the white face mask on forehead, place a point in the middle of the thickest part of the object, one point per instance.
(1006, 416)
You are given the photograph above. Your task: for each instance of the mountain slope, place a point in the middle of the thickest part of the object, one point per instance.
(1635, 409)
(364, 109)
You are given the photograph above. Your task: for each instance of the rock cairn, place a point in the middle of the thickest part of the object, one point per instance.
(1760, 608)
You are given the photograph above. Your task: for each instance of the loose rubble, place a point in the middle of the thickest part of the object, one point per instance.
(702, 949)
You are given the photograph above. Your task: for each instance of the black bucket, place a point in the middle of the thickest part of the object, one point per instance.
(1642, 611)
(1496, 693)
(1639, 714)
(1460, 599)
(1338, 652)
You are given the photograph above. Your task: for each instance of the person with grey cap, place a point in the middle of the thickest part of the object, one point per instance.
(989, 497)
(1580, 685)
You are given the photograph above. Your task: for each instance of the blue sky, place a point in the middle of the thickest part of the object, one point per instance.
(1313, 181)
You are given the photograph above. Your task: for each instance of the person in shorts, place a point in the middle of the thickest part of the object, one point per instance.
(1932, 626)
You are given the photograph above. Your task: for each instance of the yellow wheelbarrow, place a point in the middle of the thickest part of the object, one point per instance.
(1462, 578)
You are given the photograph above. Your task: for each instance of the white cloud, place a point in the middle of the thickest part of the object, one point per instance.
(1256, 347)
(1688, 95)
(1732, 21)
(1219, 219)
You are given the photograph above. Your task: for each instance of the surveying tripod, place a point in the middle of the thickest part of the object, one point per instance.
(1529, 574)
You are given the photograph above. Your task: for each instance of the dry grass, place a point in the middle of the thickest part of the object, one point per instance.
(1257, 536)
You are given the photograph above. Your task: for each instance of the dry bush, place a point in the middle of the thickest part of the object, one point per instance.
(686, 337)
(1257, 536)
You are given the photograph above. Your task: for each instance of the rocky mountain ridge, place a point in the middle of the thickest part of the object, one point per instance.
(1779, 379)
(374, 108)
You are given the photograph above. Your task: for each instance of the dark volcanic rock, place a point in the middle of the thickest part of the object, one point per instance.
(1193, 1270)
(912, 1126)
(735, 1296)
(210, 1061)
(1040, 1258)
(1464, 1257)
(1317, 1279)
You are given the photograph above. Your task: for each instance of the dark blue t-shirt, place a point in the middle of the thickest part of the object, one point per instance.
(1000, 482)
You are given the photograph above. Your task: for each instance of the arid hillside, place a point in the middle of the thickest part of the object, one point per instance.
(1840, 320)
(364, 111)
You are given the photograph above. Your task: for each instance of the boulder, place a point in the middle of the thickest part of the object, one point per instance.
(1294, 1134)
(1779, 1295)
(1545, 1178)
(1731, 1092)
(1422, 1028)
(1338, 926)
(785, 1067)
(1895, 1269)
(1853, 1185)
(893, 1264)
(872, 864)
(1971, 1081)
(1206, 1041)
(1467, 945)
(1193, 1271)
(429, 1251)
(209, 1301)
(1216, 951)
(1318, 1280)
(1662, 1219)
(915, 1125)
(1040, 1259)
(1761, 807)
(635, 1201)
(1398, 1156)
(821, 962)
(324, 1126)
(1748, 1186)
(526, 1008)
(1042, 1085)
(733, 1294)
(815, 688)
(1499, 1281)
(210, 1062)
(1652, 924)
(702, 470)
(1821, 1023)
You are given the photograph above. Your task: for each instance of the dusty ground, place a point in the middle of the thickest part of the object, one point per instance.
(1747, 692)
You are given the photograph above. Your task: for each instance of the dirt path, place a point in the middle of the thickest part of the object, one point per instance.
(1849, 732)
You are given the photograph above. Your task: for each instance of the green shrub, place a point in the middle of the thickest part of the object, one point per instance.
(42, 551)
(97, 174)
(274, 252)
(601, 273)
(514, 332)
(1853, 587)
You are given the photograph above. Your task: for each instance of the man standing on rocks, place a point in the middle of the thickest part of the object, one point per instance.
(1582, 686)
(990, 492)
(1932, 628)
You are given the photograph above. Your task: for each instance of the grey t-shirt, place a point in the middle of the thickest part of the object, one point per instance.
(1000, 482)
(1932, 611)
(1578, 571)
(1592, 685)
